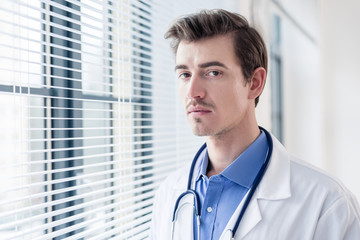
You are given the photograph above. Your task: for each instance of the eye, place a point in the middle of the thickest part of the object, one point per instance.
(213, 74)
(184, 75)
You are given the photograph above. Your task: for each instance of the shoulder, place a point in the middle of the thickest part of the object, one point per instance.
(324, 205)
(176, 179)
(305, 177)
(315, 185)
(336, 208)
(306, 183)
(170, 188)
(315, 179)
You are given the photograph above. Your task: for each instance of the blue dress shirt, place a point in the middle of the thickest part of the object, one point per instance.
(221, 194)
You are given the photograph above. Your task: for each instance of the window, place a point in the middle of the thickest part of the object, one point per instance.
(90, 121)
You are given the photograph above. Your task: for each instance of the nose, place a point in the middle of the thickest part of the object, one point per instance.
(195, 88)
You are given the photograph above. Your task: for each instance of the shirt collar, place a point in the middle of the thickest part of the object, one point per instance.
(245, 167)
(203, 164)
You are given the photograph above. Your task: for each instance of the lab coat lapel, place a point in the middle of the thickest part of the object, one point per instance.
(275, 185)
(251, 217)
(276, 182)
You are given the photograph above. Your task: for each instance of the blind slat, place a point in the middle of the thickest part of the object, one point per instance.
(156, 173)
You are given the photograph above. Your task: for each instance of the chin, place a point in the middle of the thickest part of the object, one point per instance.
(199, 132)
(206, 132)
(198, 128)
(202, 132)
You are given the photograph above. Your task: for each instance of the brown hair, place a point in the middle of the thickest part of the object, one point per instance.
(249, 46)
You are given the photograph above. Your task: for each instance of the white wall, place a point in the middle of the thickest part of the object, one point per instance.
(321, 57)
(340, 39)
(302, 86)
(302, 96)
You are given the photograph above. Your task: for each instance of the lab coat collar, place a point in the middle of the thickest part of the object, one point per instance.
(275, 185)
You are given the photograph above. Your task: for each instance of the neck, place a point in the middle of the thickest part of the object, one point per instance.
(225, 148)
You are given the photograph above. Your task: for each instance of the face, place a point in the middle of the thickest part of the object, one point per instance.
(212, 86)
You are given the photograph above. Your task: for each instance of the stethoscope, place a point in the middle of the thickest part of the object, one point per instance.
(192, 192)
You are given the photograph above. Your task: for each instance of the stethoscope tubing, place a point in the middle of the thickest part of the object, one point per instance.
(197, 205)
(256, 182)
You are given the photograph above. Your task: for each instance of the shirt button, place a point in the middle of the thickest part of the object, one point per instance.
(209, 209)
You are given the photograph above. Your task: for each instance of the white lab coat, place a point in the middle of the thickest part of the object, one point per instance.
(293, 201)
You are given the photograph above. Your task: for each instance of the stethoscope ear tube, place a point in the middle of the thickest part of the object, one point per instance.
(196, 203)
(192, 168)
(196, 210)
(256, 182)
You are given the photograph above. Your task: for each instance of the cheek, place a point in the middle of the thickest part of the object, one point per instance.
(232, 100)
(227, 96)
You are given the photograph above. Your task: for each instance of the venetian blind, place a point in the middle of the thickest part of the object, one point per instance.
(90, 124)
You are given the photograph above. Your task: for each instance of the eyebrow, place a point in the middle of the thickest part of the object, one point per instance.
(210, 64)
(203, 65)
(181, 67)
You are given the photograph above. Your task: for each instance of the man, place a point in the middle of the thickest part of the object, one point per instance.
(221, 64)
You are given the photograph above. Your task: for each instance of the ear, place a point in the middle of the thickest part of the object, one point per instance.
(257, 82)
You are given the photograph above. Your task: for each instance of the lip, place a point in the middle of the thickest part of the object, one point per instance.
(197, 111)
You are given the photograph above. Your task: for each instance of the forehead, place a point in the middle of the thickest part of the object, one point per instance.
(218, 48)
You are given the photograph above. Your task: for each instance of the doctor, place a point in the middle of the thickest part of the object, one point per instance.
(221, 65)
